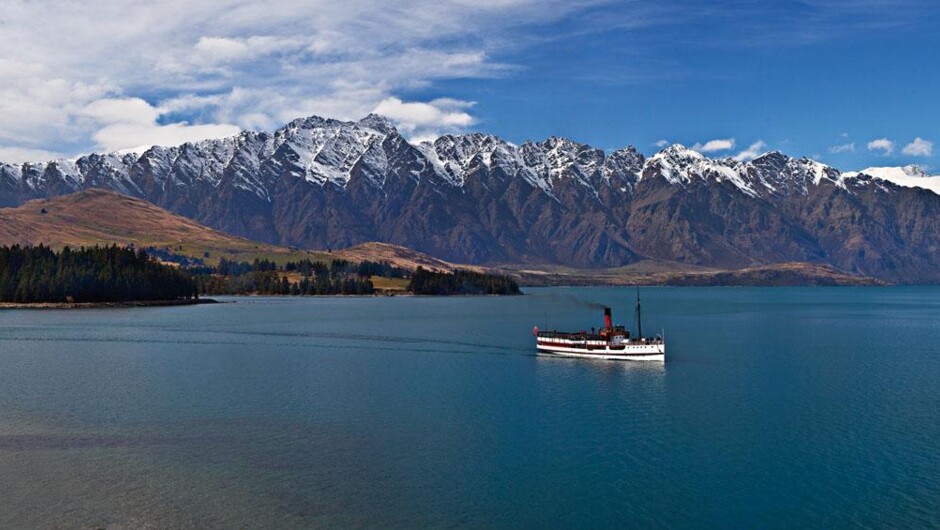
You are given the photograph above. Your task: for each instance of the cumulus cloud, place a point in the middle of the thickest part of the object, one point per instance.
(715, 145)
(919, 147)
(210, 51)
(38, 108)
(884, 145)
(206, 67)
(753, 151)
(661, 143)
(844, 148)
(132, 123)
(220, 49)
(114, 110)
(118, 136)
(18, 155)
(424, 120)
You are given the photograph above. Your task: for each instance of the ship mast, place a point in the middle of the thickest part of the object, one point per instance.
(639, 322)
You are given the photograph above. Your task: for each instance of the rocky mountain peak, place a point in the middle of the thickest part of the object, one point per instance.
(913, 170)
(627, 158)
(379, 123)
(680, 165)
(677, 152)
(310, 122)
(773, 160)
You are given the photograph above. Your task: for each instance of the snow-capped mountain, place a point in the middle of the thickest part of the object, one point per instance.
(911, 176)
(322, 183)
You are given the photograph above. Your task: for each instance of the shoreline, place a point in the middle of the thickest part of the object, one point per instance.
(105, 305)
(405, 294)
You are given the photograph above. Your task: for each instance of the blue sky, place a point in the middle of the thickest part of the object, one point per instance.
(785, 76)
(853, 83)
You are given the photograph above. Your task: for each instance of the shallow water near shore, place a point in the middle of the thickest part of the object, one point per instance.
(777, 407)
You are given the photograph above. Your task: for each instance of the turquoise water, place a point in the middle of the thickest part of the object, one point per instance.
(777, 407)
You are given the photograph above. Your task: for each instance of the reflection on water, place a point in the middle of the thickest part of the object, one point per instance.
(633, 390)
(653, 368)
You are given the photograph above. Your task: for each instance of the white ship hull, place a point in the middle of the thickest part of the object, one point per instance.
(629, 352)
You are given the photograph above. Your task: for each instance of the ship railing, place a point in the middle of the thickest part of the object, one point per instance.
(567, 335)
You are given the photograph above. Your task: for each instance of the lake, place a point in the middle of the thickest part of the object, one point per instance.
(777, 407)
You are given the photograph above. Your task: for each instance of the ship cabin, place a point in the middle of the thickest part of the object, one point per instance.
(606, 335)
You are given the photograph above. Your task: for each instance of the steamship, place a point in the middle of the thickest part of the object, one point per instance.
(610, 342)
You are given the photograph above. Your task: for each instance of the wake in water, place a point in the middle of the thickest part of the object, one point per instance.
(318, 339)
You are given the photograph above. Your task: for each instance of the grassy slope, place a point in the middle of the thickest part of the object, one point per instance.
(400, 257)
(97, 217)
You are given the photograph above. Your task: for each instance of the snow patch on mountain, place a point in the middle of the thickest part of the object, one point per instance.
(911, 176)
(680, 165)
(542, 165)
(324, 152)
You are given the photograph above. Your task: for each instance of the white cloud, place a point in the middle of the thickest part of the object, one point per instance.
(661, 143)
(919, 147)
(207, 66)
(259, 64)
(132, 122)
(884, 145)
(715, 145)
(220, 50)
(425, 120)
(753, 151)
(118, 136)
(18, 155)
(844, 148)
(116, 110)
(38, 108)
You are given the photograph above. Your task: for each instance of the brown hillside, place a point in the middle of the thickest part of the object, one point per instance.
(98, 217)
(400, 257)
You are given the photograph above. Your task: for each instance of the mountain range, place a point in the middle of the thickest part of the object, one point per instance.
(476, 198)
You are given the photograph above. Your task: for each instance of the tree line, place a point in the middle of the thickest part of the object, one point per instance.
(96, 274)
(315, 277)
(460, 281)
(340, 277)
(272, 282)
(118, 274)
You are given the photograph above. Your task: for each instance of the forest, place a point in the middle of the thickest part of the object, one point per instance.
(304, 277)
(340, 276)
(97, 274)
(460, 282)
(117, 274)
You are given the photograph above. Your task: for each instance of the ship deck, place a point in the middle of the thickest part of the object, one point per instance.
(580, 337)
